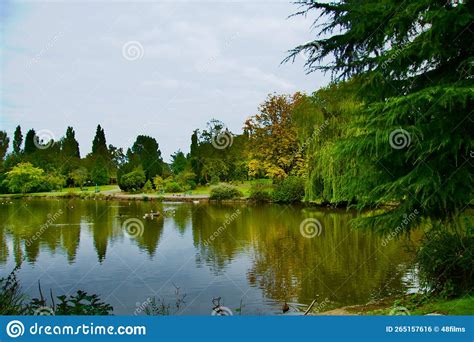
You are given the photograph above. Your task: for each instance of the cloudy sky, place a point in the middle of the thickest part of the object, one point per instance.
(161, 68)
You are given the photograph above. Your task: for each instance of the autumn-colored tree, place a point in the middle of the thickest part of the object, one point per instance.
(274, 147)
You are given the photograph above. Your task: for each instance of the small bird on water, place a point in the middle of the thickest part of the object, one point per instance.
(285, 307)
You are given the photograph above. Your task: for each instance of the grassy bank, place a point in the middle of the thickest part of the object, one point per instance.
(112, 190)
(414, 304)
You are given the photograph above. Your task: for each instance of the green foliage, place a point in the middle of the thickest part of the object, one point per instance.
(100, 173)
(132, 181)
(224, 192)
(53, 181)
(145, 152)
(11, 297)
(30, 146)
(78, 304)
(179, 162)
(148, 187)
(445, 262)
(159, 183)
(4, 142)
(14, 302)
(17, 141)
(415, 74)
(69, 144)
(172, 187)
(259, 192)
(79, 176)
(187, 180)
(289, 190)
(24, 178)
(99, 144)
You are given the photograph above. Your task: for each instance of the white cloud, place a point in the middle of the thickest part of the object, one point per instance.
(200, 60)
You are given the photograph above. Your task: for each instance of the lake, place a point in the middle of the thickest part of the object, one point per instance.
(255, 257)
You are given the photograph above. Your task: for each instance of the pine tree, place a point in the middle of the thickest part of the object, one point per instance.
(17, 141)
(414, 61)
(99, 144)
(4, 143)
(70, 146)
(30, 146)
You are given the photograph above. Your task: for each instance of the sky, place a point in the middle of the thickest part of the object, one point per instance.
(159, 68)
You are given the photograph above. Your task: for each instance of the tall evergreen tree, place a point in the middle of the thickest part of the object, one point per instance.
(70, 146)
(414, 61)
(17, 141)
(145, 151)
(99, 144)
(4, 143)
(30, 146)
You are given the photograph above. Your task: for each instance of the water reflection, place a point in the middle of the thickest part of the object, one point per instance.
(254, 253)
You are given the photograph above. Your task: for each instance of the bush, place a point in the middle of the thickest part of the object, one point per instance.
(173, 187)
(132, 181)
(24, 178)
(224, 191)
(53, 182)
(14, 302)
(289, 190)
(259, 193)
(148, 187)
(445, 263)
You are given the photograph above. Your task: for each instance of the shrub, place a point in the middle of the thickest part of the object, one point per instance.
(148, 187)
(11, 298)
(224, 191)
(132, 181)
(24, 178)
(289, 190)
(53, 182)
(445, 262)
(259, 193)
(173, 187)
(14, 302)
(158, 182)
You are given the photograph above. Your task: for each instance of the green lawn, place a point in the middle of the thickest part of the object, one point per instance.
(244, 187)
(65, 191)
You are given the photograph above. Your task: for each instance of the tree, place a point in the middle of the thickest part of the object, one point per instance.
(79, 176)
(179, 162)
(145, 152)
(17, 141)
(133, 181)
(69, 145)
(99, 144)
(30, 145)
(4, 142)
(99, 172)
(414, 62)
(273, 137)
(23, 178)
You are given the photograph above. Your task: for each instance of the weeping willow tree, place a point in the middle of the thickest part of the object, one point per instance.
(411, 140)
(327, 175)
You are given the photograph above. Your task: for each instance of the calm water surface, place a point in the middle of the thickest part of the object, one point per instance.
(252, 256)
